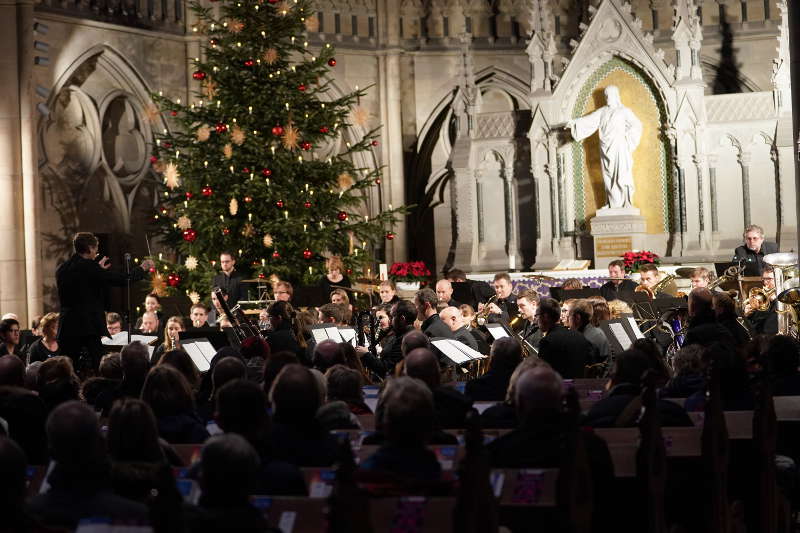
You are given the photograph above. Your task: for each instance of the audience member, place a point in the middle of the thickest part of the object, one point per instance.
(326, 354)
(689, 375)
(24, 412)
(503, 415)
(255, 351)
(169, 395)
(506, 354)
(9, 337)
(783, 356)
(727, 317)
(703, 326)
(12, 371)
(565, 350)
(450, 405)
(111, 366)
(297, 436)
(182, 362)
(408, 423)
(135, 363)
(226, 370)
(78, 482)
(580, 320)
(13, 473)
(273, 367)
(344, 385)
(57, 382)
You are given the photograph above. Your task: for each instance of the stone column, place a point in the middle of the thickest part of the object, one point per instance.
(512, 224)
(744, 160)
(701, 163)
(394, 177)
(13, 296)
(794, 42)
(712, 186)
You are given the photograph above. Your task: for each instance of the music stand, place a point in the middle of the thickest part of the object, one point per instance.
(620, 333)
(462, 292)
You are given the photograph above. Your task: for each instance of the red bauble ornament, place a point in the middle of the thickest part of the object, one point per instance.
(262, 276)
(173, 113)
(221, 128)
(375, 143)
(377, 181)
(246, 170)
(307, 254)
(279, 204)
(249, 63)
(207, 191)
(173, 280)
(301, 87)
(275, 254)
(226, 231)
(153, 159)
(167, 145)
(305, 146)
(273, 1)
(324, 129)
(307, 204)
(189, 195)
(189, 235)
(389, 235)
(277, 131)
(342, 216)
(266, 172)
(199, 74)
(248, 199)
(332, 62)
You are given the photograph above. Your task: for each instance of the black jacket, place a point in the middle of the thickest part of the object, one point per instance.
(706, 332)
(509, 309)
(83, 294)
(464, 336)
(233, 286)
(433, 326)
(391, 355)
(606, 411)
(491, 387)
(451, 407)
(753, 261)
(623, 291)
(566, 351)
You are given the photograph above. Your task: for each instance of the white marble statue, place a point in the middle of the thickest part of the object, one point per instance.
(619, 132)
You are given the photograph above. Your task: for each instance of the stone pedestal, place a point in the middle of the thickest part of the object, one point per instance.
(616, 231)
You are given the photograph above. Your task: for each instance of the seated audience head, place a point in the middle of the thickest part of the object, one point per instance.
(700, 304)
(502, 285)
(13, 472)
(226, 370)
(344, 384)
(182, 362)
(339, 296)
(12, 371)
(616, 269)
(528, 301)
(724, 306)
(652, 351)
(280, 313)
(387, 291)
(538, 390)
(167, 392)
(600, 310)
(9, 331)
(412, 340)
(57, 381)
(283, 291)
(295, 396)
(649, 274)
(407, 412)
(229, 467)
(241, 407)
(572, 284)
(111, 366)
(350, 357)
(701, 277)
(149, 323)
(273, 365)
(580, 315)
(135, 361)
(456, 275)
(326, 354)
(629, 367)
(617, 308)
(689, 361)
(506, 354)
(444, 290)
(113, 323)
(198, 314)
(152, 302)
(133, 433)
(35, 325)
(32, 375)
(253, 347)
(525, 365)
(548, 314)
(425, 300)
(452, 317)
(403, 315)
(783, 356)
(421, 363)
(73, 438)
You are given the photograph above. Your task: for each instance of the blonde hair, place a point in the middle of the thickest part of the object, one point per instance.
(334, 262)
(172, 320)
(46, 320)
(617, 308)
(342, 293)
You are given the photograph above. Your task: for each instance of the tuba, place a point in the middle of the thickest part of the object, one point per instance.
(657, 288)
(785, 267)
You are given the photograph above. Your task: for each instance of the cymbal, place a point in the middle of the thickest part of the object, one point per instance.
(684, 272)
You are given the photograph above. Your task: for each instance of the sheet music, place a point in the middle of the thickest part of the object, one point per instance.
(197, 356)
(348, 334)
(635, 328)
(144, 339)
(319, 334)
(467, 350)
(206, 348)
(333, 334)
(450, 351)
(620, 334)
(118, 339)
(497, 331)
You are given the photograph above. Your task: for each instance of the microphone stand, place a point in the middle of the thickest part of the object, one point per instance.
(128, 293)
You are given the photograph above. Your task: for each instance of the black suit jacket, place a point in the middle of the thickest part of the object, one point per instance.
(623, 291)
(434, 327)
(83, 293)
(754, 261)
(566, 351)
(233, 286)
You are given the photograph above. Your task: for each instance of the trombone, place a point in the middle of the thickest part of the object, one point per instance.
(657, 288)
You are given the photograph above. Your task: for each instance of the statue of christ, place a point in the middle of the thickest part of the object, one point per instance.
(619, 132)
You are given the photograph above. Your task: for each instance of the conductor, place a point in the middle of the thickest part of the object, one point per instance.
(83, 284)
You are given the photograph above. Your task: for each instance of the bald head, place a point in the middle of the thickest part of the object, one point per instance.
(452, 317)
(12, 371)
(538, 389)
(326, 354)
(444, 290)
(421, 363)
(413, 340)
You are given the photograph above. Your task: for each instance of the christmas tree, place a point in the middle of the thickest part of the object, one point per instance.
(261, 163)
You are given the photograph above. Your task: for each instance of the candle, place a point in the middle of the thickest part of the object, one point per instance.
(383, 272)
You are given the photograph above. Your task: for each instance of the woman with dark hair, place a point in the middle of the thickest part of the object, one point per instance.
(344, 385)
(168, 393)
(285, 334)
(57, 382)
(9, 337)
(180, 361)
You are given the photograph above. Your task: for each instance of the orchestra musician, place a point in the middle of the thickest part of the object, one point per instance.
(388, 292)
(528, 302)
(506, 304)
(283, 291)
(701, 277)
(229, 279)
(764, 321)
(444, 292)
(651, 276)
(618, 285)
(751, 253)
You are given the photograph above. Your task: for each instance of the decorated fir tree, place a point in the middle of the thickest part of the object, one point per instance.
(262, 162)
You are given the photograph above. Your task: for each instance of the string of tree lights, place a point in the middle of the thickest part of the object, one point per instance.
(264, 162)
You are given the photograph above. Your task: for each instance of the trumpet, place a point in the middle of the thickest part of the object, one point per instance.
(480, 317)
(657, 288)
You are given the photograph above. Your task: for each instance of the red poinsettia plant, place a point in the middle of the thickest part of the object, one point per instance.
(413, 271)
(636, 258)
